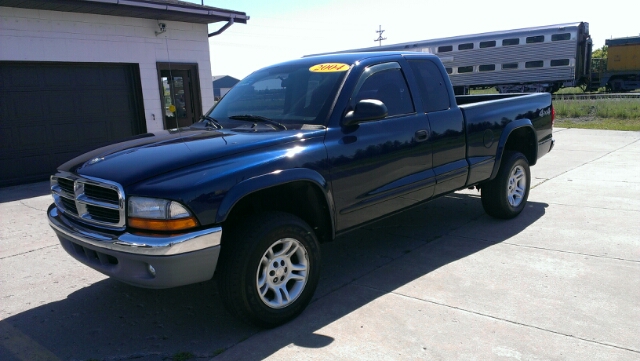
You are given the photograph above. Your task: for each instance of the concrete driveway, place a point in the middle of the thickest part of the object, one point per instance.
(440, 282)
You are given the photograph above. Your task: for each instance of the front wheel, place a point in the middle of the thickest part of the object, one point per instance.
(269, 269)
(506, 195)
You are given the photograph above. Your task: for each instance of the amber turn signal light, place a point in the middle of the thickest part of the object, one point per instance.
(163, 224)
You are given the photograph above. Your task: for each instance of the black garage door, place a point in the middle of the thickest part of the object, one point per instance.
(52, 112)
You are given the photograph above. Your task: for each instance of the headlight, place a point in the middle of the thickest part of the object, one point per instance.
(159, 215)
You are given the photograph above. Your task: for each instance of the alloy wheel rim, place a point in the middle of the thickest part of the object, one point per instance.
(282, 273)
(517, 186)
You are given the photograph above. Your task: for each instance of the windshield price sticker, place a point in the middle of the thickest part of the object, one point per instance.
(329, 68)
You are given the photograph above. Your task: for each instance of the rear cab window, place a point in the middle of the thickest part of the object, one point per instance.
(431, 84)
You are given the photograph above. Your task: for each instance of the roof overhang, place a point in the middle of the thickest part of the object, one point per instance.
(172, 10)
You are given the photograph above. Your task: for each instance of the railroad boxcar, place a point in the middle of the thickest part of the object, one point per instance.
(622, 65)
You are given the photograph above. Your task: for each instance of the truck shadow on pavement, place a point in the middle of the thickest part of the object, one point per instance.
(109, 320)
(14, 193)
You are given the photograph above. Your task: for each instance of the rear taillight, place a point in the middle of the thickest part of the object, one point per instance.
(553, 116)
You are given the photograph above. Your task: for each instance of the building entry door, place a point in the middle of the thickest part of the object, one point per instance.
(178, 98)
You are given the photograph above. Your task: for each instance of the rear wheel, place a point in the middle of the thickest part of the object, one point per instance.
(269, 269)
(506, 195)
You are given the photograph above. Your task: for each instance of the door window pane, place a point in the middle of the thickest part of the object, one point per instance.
(390, 87)
(181, 105)
(166, 94)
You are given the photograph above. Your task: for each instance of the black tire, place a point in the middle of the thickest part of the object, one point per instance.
(506, 195)
(250, 257)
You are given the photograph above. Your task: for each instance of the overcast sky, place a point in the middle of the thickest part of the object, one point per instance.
(281, 30)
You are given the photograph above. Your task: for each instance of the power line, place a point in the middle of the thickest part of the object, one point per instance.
(380, 38)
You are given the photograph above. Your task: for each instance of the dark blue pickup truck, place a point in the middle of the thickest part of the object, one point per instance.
(294, 155)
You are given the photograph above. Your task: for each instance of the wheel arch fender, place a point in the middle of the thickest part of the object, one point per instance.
(517, 128)
(277, 178)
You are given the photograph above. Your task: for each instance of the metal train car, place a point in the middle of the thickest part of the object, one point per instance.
(621, 70)
(538, 59)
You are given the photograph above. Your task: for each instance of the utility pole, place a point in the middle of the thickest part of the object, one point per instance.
(380, 38)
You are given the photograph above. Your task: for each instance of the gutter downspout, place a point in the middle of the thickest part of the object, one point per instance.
(223, 28)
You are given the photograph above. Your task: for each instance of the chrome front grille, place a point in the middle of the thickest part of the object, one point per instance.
(69, 205)
(94, 201)
(101, 193)
(66, 185)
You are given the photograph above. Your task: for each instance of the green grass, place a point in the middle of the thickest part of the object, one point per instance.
(483, 91)
(600, 108)
(605, 123)
(575, 90)
(609, 114)
(612, 114)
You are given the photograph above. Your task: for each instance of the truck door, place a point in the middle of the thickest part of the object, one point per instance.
(447, 125)
(381, 166)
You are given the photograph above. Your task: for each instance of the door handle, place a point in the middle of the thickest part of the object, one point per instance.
(422, 135)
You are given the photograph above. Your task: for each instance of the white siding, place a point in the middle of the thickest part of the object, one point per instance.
(42, 35)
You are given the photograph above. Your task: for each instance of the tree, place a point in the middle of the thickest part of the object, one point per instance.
(600, 53)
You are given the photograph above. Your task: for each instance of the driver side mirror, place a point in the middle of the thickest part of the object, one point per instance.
(366, 110)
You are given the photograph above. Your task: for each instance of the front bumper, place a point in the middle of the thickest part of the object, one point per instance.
(144, 260)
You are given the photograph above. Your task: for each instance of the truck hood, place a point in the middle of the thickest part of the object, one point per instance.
(152, 154)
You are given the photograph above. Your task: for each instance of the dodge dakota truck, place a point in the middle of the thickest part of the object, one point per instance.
(294, 155)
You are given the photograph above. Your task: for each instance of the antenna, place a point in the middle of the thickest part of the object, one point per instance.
(380, 38)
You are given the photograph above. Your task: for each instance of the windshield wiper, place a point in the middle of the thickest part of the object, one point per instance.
(210, 122)
(258, 119)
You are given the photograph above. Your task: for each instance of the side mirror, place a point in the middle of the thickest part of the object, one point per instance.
(366, 110)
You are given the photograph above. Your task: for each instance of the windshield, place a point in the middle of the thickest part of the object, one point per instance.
(293, 95)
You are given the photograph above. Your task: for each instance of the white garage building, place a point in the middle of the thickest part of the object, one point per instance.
(77, 74)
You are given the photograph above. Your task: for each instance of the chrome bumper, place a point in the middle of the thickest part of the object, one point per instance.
(157, 245)
(151, 261)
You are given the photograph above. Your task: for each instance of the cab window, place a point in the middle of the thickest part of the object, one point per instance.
(390, 87)
(433, 88)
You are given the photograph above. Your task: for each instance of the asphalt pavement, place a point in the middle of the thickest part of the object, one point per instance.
(440, 282)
